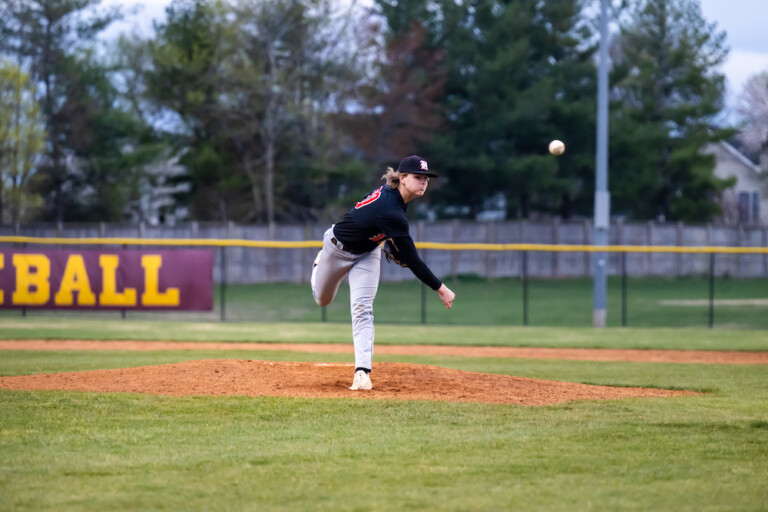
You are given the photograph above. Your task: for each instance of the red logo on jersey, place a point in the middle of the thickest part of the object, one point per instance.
(368, 200)
(378, 238)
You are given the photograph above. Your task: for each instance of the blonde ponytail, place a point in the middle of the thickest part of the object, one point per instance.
(392, 177)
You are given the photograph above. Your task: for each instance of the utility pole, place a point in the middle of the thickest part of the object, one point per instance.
(602, 197)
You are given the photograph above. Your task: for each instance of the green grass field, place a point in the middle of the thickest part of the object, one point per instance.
(551, 303)
(118, 451)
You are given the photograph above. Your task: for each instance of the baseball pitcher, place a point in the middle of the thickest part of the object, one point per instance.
(353, 247)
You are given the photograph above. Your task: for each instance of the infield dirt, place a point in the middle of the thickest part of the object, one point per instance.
(399, 381)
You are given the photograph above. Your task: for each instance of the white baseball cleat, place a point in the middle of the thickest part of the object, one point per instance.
(362, 381)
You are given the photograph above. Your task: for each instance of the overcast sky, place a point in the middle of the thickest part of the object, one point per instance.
(745, 22)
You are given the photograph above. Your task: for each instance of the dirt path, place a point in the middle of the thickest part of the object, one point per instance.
(583, 354)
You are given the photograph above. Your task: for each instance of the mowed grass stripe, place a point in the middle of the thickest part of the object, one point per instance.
(42, 328)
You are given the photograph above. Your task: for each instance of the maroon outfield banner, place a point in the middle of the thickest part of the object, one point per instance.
(107, 279)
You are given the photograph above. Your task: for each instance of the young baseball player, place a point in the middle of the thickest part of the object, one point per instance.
(352, 247)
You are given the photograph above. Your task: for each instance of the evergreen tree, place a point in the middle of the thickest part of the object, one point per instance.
(666, 92)
(519, 75)
(182, 83)
(110, 146)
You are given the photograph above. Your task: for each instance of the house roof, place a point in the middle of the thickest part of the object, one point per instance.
(740, 157)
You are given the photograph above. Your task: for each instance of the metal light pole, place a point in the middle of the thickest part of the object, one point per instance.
(602, 197)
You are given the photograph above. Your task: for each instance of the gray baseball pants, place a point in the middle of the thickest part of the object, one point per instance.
(363, 269)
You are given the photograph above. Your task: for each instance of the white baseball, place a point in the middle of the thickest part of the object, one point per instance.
(557, 147)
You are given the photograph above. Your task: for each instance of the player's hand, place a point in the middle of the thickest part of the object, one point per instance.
(446, 295)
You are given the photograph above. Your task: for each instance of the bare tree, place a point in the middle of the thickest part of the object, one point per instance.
(753, 107)
(292, 66)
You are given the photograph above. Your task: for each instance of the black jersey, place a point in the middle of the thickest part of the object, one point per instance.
(379, 216)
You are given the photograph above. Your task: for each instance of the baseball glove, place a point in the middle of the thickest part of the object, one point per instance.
(392, 253)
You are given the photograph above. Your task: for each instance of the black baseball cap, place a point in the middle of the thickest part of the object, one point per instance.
(415, 165)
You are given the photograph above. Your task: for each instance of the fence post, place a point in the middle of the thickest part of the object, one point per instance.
(455, 254)
(420, 228)
(555, 241)
(711, 289)
(623, 289)
(620, 240)
(525, 287)
(679, 237)
(16, 232)
(708, 239)
(490, 237)
(273, 255)
(122, 311)
(223, 285)
(306, 262)
(740, 257)
(587, 267)
(649, 228)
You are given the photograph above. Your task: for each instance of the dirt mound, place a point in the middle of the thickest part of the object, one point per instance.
(221, 377)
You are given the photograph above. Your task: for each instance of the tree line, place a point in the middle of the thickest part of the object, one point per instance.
(288, 110)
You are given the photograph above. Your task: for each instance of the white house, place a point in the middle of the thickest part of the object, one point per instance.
(747, 201)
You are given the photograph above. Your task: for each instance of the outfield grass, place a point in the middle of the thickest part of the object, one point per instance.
(87, 451)
(54, 328)
(551, 303)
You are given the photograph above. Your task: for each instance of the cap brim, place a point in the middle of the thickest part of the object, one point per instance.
(423, 173)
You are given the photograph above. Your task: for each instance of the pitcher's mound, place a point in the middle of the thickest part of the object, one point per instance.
(399, 381)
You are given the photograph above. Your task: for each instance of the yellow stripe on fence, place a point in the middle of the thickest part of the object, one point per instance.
(273, 244)
(590, 248)
(198, 242)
